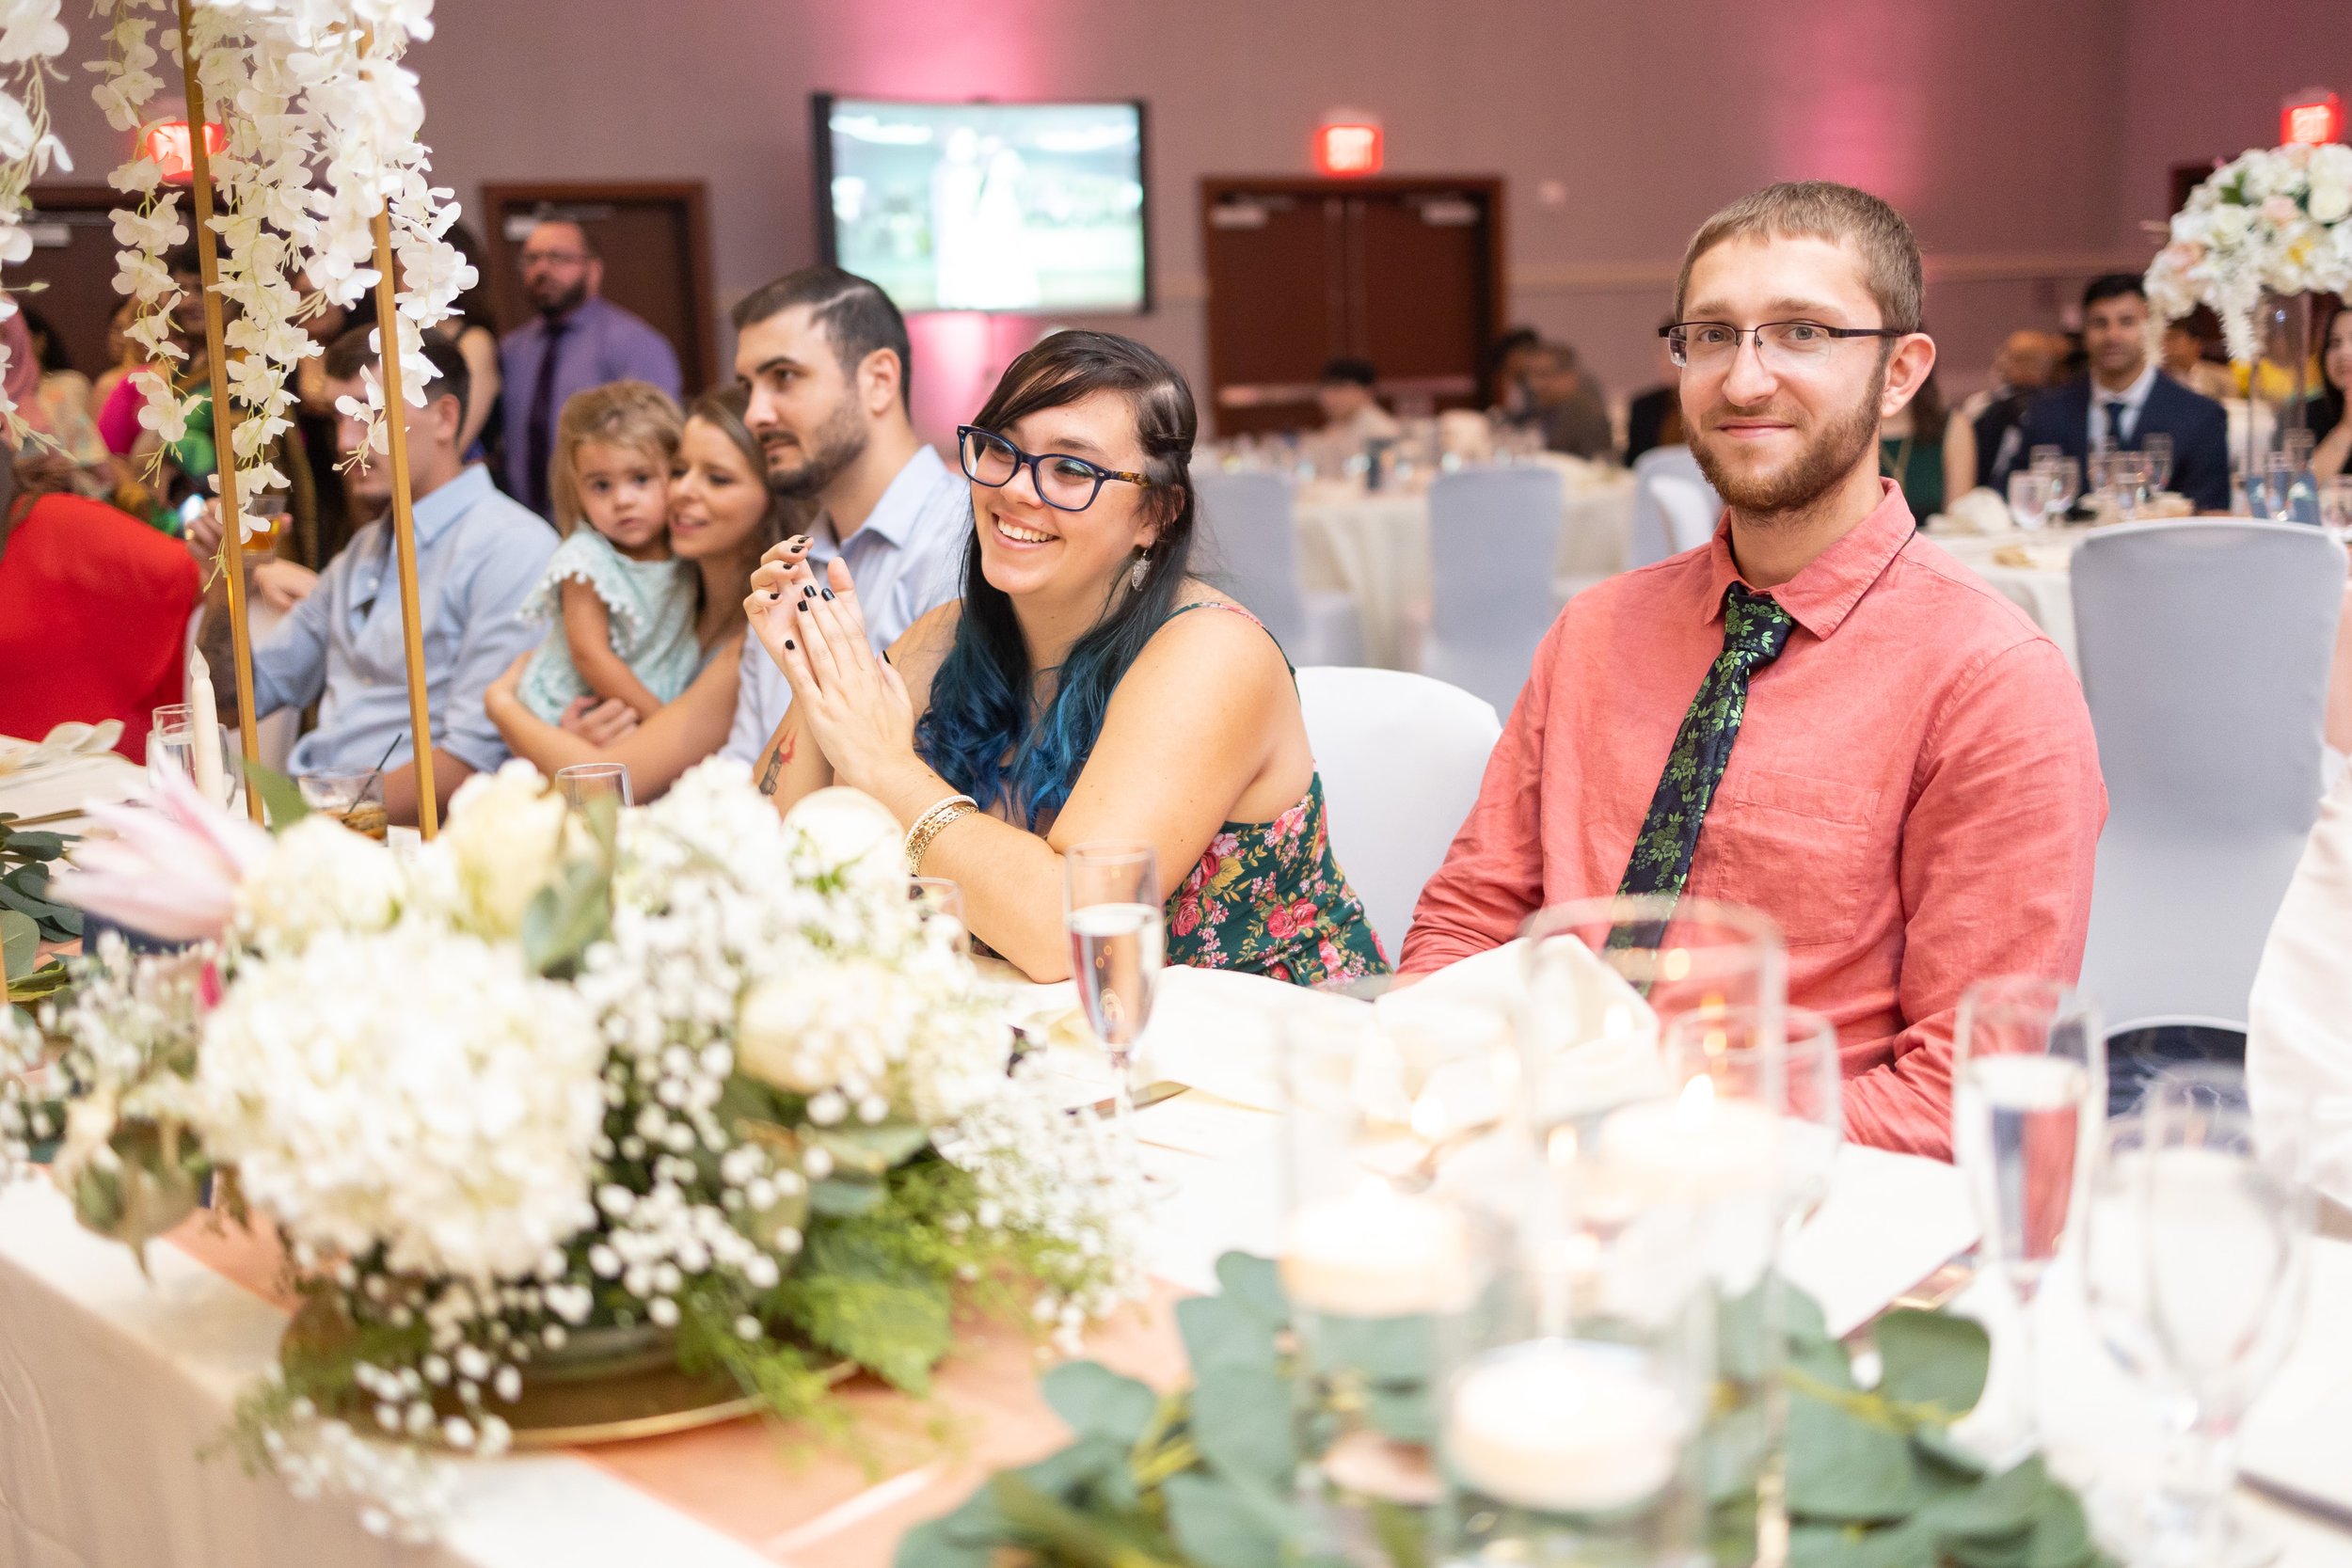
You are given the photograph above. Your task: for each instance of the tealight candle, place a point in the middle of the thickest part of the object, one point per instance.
(204, 736)
(1564, 1426)
(1698, 1148)
(1376, 1253)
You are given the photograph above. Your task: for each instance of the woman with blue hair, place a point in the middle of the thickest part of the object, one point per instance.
(1085, 688)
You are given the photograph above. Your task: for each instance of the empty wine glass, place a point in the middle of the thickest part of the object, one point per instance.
(2028, 1080)
(1117, 942)
(2226, 1222)
(2158, 449)
(1796, 1074)
(2029, 497)
(2127, 480)
(2095, 470)
(584, 782)
(2066, 485)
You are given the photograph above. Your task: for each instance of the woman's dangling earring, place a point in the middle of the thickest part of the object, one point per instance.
(1141, 569)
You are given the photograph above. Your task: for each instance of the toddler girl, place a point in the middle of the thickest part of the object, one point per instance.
(624, 611)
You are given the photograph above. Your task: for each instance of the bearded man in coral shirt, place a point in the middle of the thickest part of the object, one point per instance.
(1913, 794)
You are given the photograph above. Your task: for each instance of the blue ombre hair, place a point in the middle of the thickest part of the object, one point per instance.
(977, 730)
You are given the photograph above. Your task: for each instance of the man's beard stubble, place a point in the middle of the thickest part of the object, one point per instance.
(1817, 470)
(837, 444)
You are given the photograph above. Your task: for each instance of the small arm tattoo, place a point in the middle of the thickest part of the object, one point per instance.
(776, 759)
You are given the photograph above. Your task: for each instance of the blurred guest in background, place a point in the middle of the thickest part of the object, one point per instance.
(579, 340)
(1351, 415)
(1566, 404)
(2187, 360)
(64, 405)
(1654, 418)
(2334, 431)
(1910, 449)
(475, 331)
(94, 609)
(2125, 399)
(1504, 373)
(2024, 367)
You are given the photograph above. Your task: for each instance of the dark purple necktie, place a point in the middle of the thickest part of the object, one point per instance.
(539, 429)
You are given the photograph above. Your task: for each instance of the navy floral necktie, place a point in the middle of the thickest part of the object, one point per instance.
(1756, 629)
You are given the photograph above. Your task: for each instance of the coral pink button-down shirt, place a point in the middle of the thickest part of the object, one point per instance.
(1913, 795)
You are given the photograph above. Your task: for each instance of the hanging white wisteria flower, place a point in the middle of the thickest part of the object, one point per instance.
(31, 38)
(321, 125)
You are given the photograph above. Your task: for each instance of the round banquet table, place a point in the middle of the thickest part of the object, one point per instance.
(113, 1379)
(1375, 548)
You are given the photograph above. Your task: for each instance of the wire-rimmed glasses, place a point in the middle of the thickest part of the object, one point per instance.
(1064, 482)
(1790, 345)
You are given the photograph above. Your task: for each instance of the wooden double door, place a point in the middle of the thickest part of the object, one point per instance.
(1405, 272)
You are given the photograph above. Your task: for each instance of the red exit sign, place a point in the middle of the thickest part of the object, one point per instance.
(1348, 147)
(2313, 119)
(168, 144)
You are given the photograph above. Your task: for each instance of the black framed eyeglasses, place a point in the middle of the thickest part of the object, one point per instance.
(1790, 345)
(1063, 483)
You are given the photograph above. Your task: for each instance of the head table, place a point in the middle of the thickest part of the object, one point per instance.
(113, 1381)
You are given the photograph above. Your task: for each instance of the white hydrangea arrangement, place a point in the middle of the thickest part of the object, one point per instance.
(2274, 220)
(690, 1070)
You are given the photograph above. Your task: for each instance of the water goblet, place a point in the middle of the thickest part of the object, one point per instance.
(1118, 943)
(2158, 448)
(2029, 498)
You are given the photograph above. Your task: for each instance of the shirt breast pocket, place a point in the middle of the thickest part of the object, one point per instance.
(1801, 849)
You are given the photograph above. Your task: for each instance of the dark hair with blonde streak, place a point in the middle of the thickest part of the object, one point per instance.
(1823, 210)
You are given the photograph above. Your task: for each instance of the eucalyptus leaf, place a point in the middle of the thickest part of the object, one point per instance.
(1218, 1332)
(1947, 1453)
(935, 1544)
(281, 798)
(1385, 1349)
(1207, 1517)
(869, 1150)
(564, 917)
(2061, 1535)
(1255, 1283)
(20, 945)
(1071, 1534)
(839, 1199)
(1932, 1359)
(35, 846)
(2000, 1507)
(1404, 1413)
(1241, 1421)
(1843, 1468)
(1092, 1399)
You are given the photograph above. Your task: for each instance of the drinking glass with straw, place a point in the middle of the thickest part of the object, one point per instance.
(1118, 943)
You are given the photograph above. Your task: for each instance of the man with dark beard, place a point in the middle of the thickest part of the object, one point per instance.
(577, 341)
(1915, 796)
(823, 354)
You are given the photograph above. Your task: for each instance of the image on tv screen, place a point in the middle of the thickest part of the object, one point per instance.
(990, 206)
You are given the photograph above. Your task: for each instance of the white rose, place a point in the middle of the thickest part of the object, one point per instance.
(829, 1026)
(507, 833)
(319, 876)
(852, 833)
(2331, 199)
(2229, 223)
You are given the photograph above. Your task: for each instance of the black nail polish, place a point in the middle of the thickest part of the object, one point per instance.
(828, 592)
(789, 645)
(808, 592)
(801, 605)
(774, 593)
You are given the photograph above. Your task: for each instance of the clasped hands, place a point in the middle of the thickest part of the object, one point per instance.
(852, 704)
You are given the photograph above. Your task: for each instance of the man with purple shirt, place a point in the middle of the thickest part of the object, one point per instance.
(580, 340)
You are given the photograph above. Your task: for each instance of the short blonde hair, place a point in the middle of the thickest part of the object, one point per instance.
(1823, 210)
(621, 414)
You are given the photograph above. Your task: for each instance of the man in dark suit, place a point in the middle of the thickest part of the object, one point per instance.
(2126, 399)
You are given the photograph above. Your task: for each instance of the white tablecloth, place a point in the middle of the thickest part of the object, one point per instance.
(1375, 548)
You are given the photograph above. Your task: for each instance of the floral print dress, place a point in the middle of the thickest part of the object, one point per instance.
(1270, 899)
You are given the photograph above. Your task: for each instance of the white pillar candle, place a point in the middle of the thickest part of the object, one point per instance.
(1698, 1148)
(1564, 1427)
(204, 737)
(1376, 1254)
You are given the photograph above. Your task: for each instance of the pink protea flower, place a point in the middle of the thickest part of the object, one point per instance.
(172, 868)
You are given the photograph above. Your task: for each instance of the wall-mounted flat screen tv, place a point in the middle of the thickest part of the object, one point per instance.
(1019, 207)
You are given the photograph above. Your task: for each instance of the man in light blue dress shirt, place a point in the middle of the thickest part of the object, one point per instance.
(824, 354)
(478, 555)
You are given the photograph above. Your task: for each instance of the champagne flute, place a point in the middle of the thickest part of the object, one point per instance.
(584, 782)
(1796, 1074)
(2227, 1224)
(1117, 942)
(2028, 1083)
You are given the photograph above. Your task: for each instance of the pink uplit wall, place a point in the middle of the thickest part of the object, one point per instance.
(2025, 138)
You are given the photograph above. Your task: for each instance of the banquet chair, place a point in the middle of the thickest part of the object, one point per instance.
(1494, 534)
(2205, 648)
(1252, 538)
(1401, 757)
(1675, 508)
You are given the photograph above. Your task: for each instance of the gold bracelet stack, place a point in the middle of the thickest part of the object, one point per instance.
(930, 824)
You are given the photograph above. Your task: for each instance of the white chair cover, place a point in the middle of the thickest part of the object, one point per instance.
(1494, 536)
(1250, 545)
(1675, 508)
(2299, 1036)
(2205, 650)
(1401, 757)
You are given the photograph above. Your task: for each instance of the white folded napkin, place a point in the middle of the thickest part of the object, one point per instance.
(1980, 511)
(1220, 1030)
